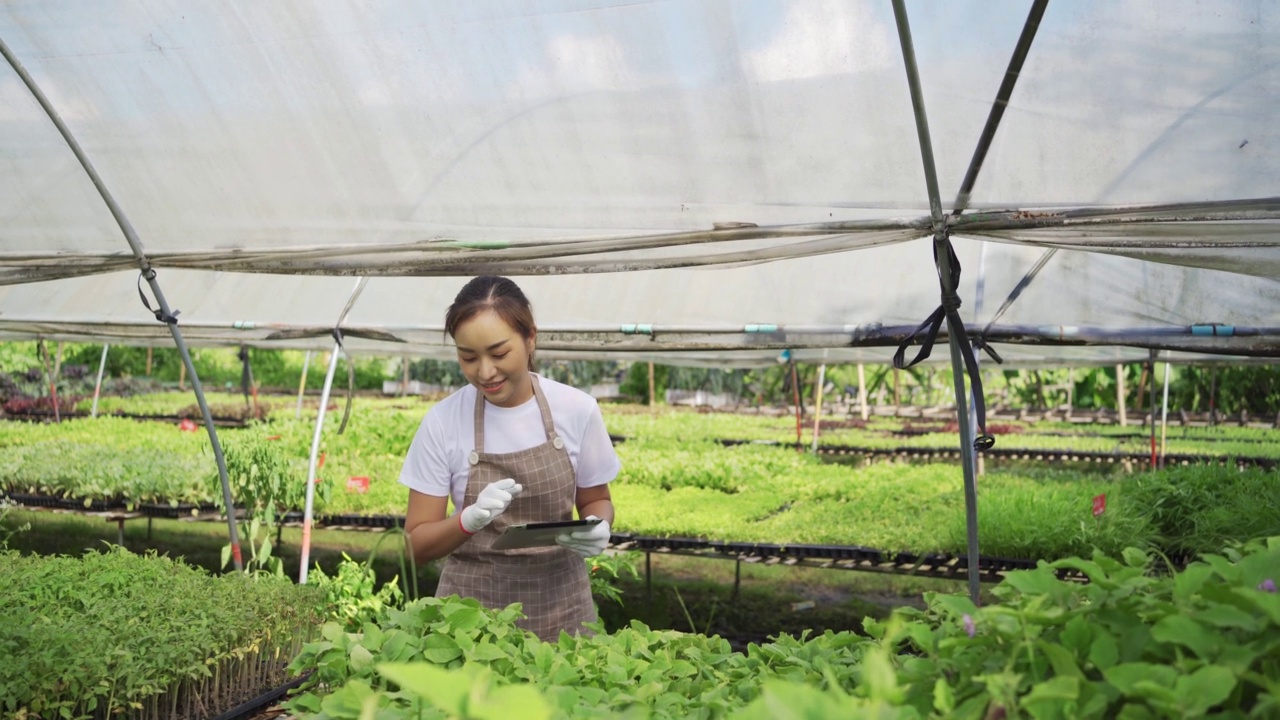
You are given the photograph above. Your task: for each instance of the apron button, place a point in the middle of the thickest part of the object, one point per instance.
(474, 458)
(558, 443)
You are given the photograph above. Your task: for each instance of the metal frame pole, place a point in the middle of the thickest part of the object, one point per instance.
(942, 256)
(315, 438)
(311, 464)
(163, 313)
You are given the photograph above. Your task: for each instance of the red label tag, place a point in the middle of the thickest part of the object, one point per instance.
(320, 461)
(358, 484)
(1099, 504)
(187, 425)
(273, 437)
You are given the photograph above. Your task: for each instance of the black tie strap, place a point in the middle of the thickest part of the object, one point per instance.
(948, 310)
(150, 274)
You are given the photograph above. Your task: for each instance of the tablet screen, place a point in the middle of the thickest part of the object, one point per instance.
(541, 534)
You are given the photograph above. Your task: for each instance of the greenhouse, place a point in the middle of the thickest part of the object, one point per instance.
(989, 290)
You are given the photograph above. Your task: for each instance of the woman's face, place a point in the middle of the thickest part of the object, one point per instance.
(495, 358)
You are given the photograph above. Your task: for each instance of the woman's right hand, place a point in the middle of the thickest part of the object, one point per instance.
(491, 503)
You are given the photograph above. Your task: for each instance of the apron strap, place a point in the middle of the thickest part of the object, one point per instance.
(547, 424)
(479, 423)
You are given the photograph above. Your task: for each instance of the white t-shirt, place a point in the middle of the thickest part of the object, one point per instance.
(437, 460)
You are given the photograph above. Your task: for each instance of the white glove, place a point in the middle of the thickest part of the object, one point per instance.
(587, 543)
(491, 502)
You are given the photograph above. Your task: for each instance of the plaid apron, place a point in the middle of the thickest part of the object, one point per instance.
(551, 583)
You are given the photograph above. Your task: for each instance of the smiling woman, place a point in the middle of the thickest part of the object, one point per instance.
(546, 452)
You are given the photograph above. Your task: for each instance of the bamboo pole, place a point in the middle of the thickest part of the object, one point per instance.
(97, 386)
(653, 402)
(817, 403)
(1120, 394)
(862, 391)
(795, 391)
(1164, 416)
(1213, 395)
(53, 383)
(302, 384)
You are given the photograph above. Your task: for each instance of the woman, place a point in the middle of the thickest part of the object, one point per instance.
(510, 447)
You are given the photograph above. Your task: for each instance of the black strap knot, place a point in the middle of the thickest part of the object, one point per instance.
(950, 301)
(981, 344)
(930, 327)
(150, 274)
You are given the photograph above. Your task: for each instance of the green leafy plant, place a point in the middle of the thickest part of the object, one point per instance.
(8, 532)
(266, 483)
(1130, 643)
(351, 596)
(606, 571)
(115, 634)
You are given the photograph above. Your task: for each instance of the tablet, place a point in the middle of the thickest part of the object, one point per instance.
(542, 534)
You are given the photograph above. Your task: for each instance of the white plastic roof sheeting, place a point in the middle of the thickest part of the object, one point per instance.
(845, 307)
(700, 168)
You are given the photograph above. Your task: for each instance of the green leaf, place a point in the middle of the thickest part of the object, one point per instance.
(1040, 581)
(1076, 636)
(1133, 557)
(464, 618)
(1204, 688)
(1268, 603)
(442, 688)
(1227, 616)
(348, 700)
(1127, 676)
(1182, 630)
(360, 658)
(1104, 652)
(511, 701)
(1187, 583)
(486, 651)
(944, 699)
(957, 605)
(879, 677)
(440, 649)
(1046, 699)
(1064, 664)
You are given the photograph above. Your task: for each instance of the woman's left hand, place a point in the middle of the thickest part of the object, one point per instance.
(590, 542)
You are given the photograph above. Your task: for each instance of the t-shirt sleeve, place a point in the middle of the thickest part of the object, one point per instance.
(426, 468)
(597, 461)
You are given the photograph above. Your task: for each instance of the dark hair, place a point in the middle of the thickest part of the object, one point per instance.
(499, 294)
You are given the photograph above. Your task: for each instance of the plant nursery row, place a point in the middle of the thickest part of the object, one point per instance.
(742, 493)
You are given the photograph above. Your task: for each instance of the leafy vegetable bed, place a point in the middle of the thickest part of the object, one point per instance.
(1126, 645)
(116, 633)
